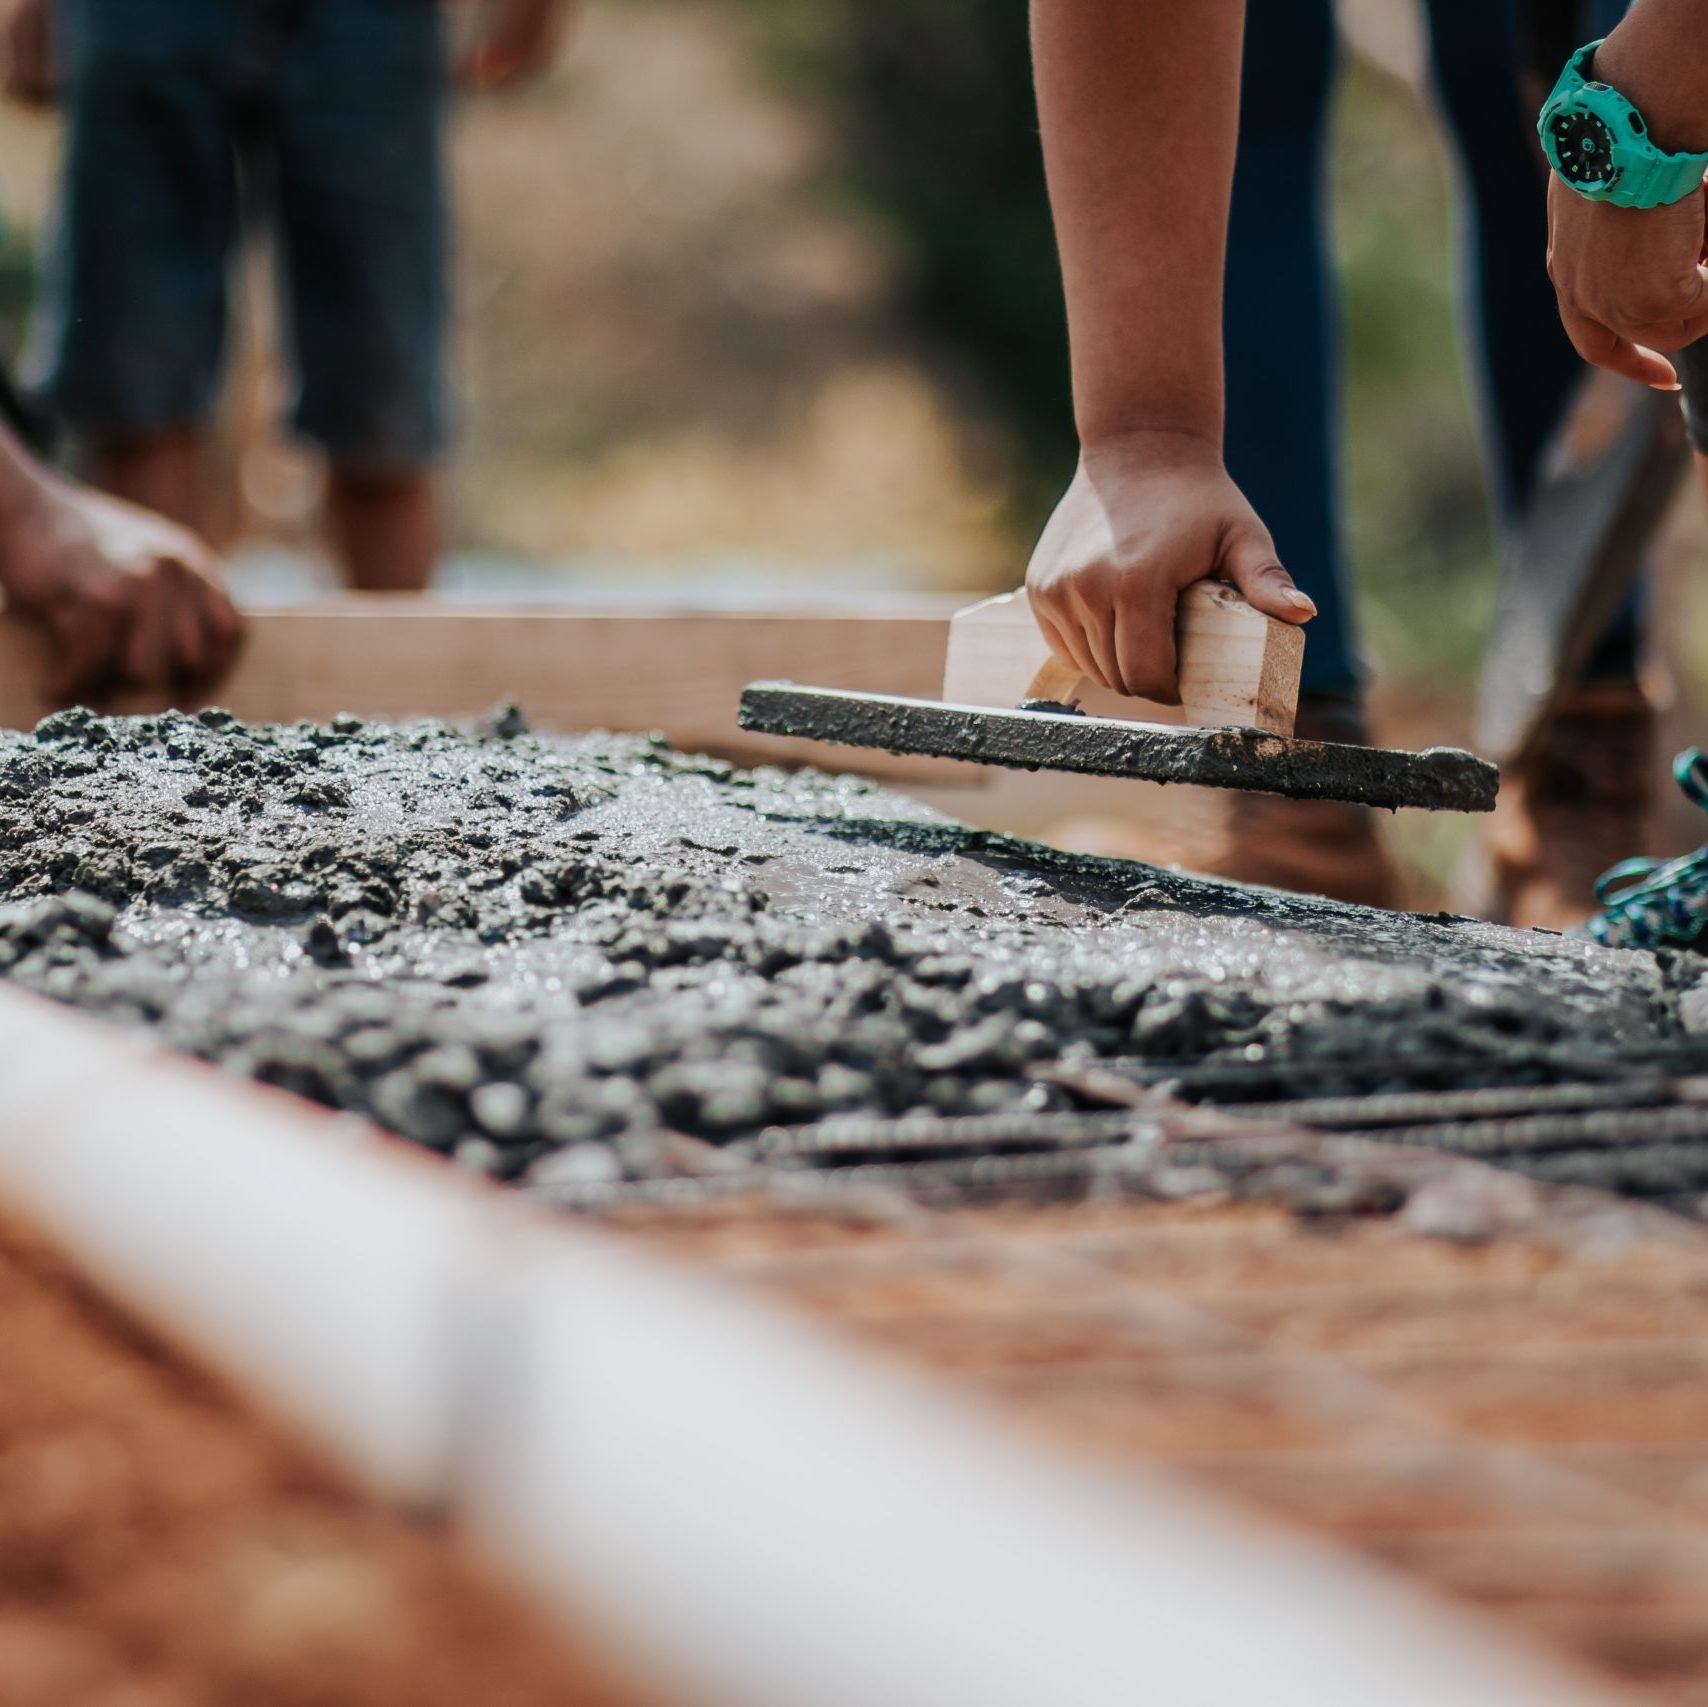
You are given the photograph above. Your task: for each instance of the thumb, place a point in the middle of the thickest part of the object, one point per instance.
(1249, 560)
(1606, 349)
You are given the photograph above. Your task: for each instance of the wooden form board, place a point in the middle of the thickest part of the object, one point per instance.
(1237, 666)
(527, 1376)
(677, 671)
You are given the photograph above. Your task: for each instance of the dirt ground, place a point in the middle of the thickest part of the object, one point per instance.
(161, 1546)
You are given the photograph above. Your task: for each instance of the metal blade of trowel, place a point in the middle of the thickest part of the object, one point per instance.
(1607, 480)
(1007, 701)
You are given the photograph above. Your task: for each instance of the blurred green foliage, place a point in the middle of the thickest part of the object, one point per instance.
(1419, 518)
(933, 104)
(17, 281)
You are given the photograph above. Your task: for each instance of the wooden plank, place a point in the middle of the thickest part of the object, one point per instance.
(335, 1276)
(677, 671)
(1238, 667)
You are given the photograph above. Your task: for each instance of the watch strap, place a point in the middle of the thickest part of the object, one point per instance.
(1663, 179)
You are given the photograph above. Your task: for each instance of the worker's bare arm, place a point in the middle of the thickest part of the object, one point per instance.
(127, 598)
(1139, 106)
(1630, 281)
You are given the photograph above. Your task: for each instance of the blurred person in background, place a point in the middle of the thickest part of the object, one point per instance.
(188, 121)
(1581, 804)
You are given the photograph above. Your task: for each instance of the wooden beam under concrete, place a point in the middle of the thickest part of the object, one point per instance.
(677, 671)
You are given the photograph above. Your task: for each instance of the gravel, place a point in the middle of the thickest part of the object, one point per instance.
(535, 955)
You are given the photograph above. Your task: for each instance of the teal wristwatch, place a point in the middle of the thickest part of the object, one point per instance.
(1598, 144)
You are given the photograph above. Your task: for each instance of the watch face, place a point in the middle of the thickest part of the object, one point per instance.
(1583, 148)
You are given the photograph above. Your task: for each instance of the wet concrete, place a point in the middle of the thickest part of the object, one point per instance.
(540, 955)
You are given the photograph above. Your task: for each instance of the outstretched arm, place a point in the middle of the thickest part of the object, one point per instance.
(1139, 106)
(1630, 281)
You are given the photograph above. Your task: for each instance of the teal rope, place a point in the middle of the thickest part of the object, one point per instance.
(1658, 903)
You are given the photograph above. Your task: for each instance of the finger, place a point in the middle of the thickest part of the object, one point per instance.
(1669, 333)
(86, 643)
(1066, 637)
(206, 631)
(1144, 650)
(147, 655)
(219, 628)
(227, 628)
(190, 635)
(1606, 349)
(1097, 630)
(1249, 560)
(1057, 641)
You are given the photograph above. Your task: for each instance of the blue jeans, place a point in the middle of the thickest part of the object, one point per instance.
(1283, 372)
(322, 118)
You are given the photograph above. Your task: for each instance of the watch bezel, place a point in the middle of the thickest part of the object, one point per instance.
(1626, 130)
(1593, 124)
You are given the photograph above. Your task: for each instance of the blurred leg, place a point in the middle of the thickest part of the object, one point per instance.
(129, 338)
(1283, 366)
(361, 200)
(385, 528)
(1525, 369)
(1283, 380)
(1581, 801)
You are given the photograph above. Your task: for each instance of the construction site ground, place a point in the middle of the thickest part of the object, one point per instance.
(1384, 1225)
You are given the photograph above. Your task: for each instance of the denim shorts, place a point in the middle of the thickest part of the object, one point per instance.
(191, 121)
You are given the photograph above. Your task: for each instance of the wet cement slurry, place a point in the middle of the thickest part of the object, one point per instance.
(541, 955)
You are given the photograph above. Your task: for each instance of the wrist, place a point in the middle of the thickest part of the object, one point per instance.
(1665, 80)
(27, 490)
(1602, 144)
(1161, 447)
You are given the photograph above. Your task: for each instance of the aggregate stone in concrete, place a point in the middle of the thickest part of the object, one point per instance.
(539, 954)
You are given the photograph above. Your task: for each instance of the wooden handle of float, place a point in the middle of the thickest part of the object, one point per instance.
(1057, 681)
(1237, 666)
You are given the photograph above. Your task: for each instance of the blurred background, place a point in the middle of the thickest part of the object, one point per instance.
(759, 296)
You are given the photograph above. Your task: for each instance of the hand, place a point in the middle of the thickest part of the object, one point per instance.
(1630, 281)
(128, 598)
(28, 73)
(1145, 517)
(513, 39)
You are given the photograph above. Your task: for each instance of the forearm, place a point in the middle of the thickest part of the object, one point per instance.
(1139, 107)
(25, 487)
(1658, 59)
